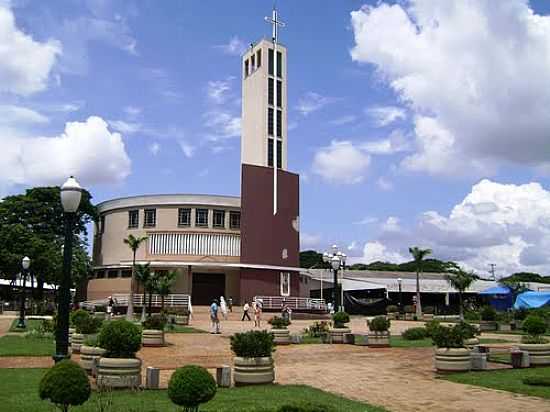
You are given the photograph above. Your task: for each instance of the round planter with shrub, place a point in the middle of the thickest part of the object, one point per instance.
(190, 386)
(182, 319)
(85, 326)
(119, 368)
(534, 344)
(65, 384)
(281, 335)
(153, 331)
(339, 320)
(253, 363)
(409, 312)
(379, 332)
(90, 352)
(450, 353)
(469, 334)
(488, 319)
(418, 333)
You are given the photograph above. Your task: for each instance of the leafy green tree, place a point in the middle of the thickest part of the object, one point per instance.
(461, 280)
(164, 284)
(143, 276)
(523, 277)
(133, 242)
(312, 259)
(418, 256)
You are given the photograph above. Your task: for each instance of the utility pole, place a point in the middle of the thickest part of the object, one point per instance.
(492, 271)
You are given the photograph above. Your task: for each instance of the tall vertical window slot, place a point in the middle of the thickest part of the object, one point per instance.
(246, 68)
(102, 224)
(219, 218)
(252, 63)
(202, 217)
(270, 153)
(234, 220)
(279, 123)
(270, 122)
(259, 58)
(133, 219)
(270, 89)
(279, 64)
(270, 62)
(285, 283)
(150, 218)
(184, 216)
(279, 93)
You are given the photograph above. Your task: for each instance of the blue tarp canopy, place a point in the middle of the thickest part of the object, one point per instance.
(531, 300)
(496, 290)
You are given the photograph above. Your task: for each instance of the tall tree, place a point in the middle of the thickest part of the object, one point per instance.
(418, 256)
(133, 242)
(461, 280)
(164, 285)
(143, 276)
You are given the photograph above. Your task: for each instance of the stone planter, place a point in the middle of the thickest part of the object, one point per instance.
(337, 334)
(281, 336)
(539, 353)
(393, 315)
(119, 373)
(182, 320)
(379, 339)
(253, 371)
(505, 327)
(452, 359)
(152, 337)
(71, 331)
(77, 340)
(470, 343)
(89, 354)
(428, 316)
(487, 326)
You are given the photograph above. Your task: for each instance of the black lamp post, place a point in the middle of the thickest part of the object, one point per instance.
(337, 260)
(399, 283)
(25, 263)
(71, 193)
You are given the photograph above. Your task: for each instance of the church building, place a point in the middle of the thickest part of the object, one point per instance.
(237, 247)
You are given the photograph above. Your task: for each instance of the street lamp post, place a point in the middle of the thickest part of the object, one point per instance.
(399, 283)
(337, 261)
(25, 263)
(71, 193)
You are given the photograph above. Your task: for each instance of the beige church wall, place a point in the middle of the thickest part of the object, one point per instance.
(103, 288)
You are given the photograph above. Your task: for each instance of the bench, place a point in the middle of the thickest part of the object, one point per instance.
(223, 375)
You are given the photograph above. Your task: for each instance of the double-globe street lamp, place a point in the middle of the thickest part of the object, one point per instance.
(71, 193)
(25, 263)
(337, 261)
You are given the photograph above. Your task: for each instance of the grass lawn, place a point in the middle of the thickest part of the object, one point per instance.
(505, 379)
(306, 339)
(182, 329)
(11, 345)
(19, 393)
(31, 324)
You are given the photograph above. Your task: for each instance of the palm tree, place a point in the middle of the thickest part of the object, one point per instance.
(418, 256)
(143, 276)
(460, 280)
(164, 286)
(133, 242)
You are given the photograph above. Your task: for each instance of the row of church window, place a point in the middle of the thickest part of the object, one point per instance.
(184, 218)
(254, 62)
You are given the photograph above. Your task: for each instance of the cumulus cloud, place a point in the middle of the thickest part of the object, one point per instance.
(87, 150)
(341, 162)
(479, 94)
(311, 102)
(386, 115)
(376, 251)
(506, 224)
(25, 64)
(394, 143)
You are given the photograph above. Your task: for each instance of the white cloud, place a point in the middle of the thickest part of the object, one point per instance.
(223, 125)
(187, 149)
(311, 102)
(386, 115)
(352, 246)
(125, 127)
(391, 224)
(395, 143)
(341, 162)
(235, 47)
(366, 221)
(87, 150)
(218, 90)
(340, 121)
(15, 115)
(132, 111)
(479, 94)
(377, 252)
(309, 241)
(384, 184)
(154, 148)
(25, 64)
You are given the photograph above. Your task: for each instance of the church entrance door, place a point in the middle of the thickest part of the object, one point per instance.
(207, 287)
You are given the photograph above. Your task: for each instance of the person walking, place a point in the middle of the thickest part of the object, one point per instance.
(110, 307)
(223, 307)
(257, 314)
(230, 304)
(246, 308)
(214, 317)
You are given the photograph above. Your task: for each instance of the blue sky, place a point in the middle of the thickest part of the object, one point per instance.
(411, 122)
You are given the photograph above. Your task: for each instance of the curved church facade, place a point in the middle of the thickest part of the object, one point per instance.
(219, 245)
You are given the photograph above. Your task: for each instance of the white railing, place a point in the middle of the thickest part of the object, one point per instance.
(171, 300)
(277, 302)
(211, 244)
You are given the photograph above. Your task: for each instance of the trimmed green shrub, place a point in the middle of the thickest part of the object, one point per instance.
(537, 380)
(468, 331)
(92, 340)
(431, 326)
(190, 386)
(537, 340)
(340, 319)
(157, 322)
(66, 384)
(379, 324)
(520, 314)
(317, 328)
(252, 344)
(415, 334)
(277, 322)
(488, 313)
(448, 337)
(89, 326)
(78, 317)
(120, 339)
(392, 309)
(471, 315)
(534, 325)
(408, 309)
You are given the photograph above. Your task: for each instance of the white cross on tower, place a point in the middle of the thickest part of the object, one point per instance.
(276, 23)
